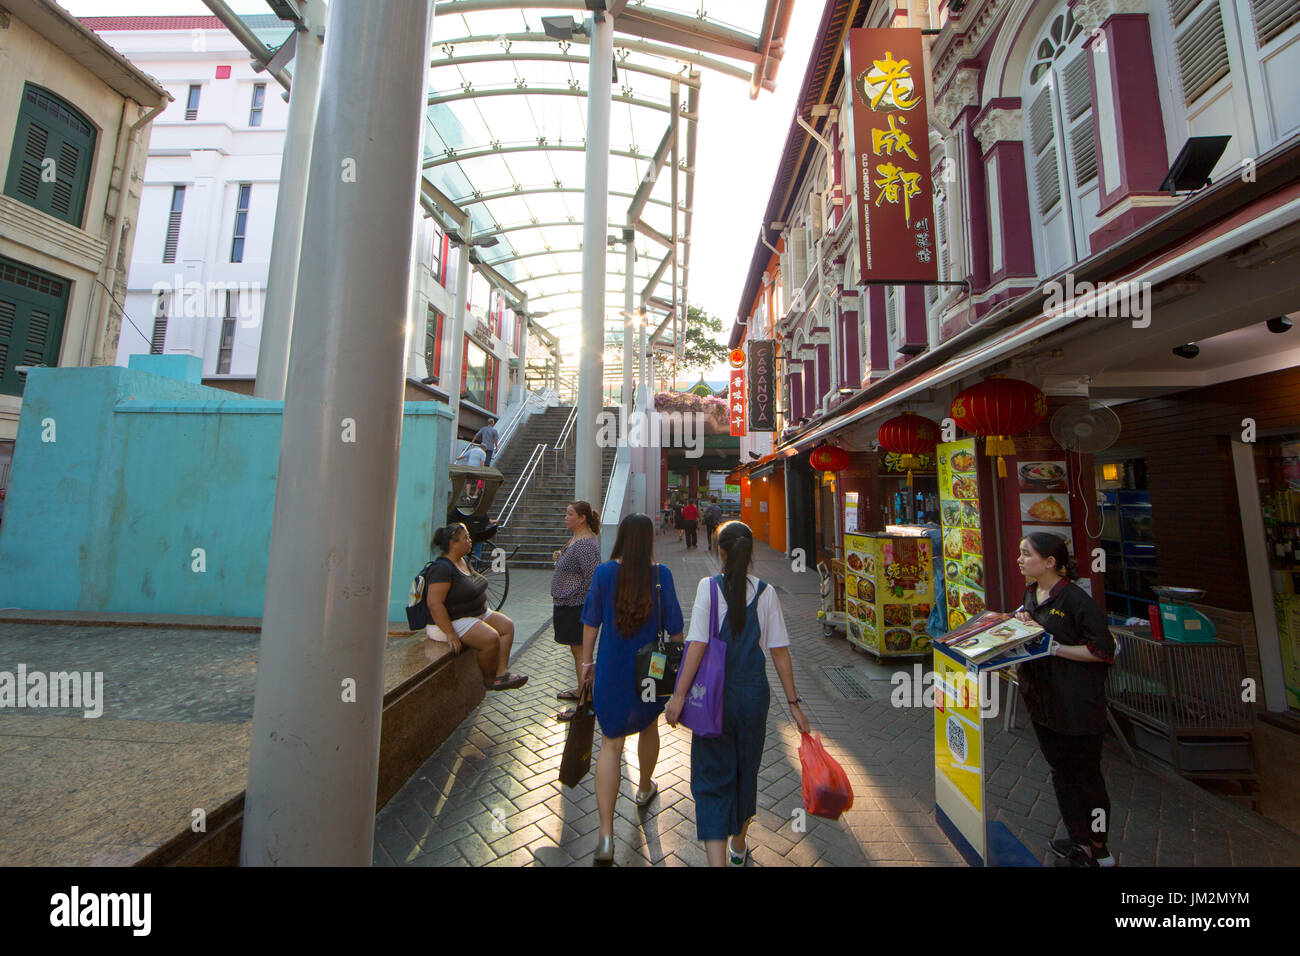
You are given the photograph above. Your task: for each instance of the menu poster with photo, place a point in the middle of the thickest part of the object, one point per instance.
(850, 512)
(959, 515)
(1060, 532)
(1041, 475)
(1050, 507)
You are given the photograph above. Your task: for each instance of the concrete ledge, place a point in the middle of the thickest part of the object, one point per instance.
(123, 619)
(419, 714)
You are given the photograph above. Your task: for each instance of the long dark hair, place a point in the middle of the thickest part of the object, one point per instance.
(737, 544)
(584, 510)
(634, 590)
(1047, 545)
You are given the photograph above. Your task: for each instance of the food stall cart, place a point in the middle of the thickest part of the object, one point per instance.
(889, 591)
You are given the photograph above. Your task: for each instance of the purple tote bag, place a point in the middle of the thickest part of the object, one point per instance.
(702, 712)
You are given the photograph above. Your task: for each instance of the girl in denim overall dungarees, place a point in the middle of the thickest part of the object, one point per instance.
(724, 769)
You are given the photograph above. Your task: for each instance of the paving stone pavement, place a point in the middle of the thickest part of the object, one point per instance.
(490, 795)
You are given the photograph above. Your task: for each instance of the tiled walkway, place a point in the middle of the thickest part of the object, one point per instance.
(491, 795)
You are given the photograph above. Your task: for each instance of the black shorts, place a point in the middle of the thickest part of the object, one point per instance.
(568, 624)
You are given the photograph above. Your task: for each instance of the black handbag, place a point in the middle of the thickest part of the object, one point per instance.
(580, 736)
(658, 662)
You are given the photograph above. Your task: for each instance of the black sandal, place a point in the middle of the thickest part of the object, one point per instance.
(568, 695)
(567, 715)
(508, 681)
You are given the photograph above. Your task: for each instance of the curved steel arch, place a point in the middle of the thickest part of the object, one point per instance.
(556, 275)
(538, 190)
(456, 157)
(679, 54)
(550, 91)
(628, 65)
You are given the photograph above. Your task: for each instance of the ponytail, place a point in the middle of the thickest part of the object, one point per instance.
(584, 510)
(1047, 545)
(443, 537)
(737, 544)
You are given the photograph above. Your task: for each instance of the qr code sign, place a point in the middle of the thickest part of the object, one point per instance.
(957, 739)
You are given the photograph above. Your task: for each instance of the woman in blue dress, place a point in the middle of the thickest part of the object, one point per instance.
(630, 599)
(724, 769)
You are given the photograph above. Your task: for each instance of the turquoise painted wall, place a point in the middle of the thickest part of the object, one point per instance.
(142, 469)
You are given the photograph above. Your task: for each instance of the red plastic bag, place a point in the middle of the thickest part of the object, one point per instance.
(826, 790)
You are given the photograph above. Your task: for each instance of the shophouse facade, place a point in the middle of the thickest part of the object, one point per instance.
(199, 271)
(1054, 129)
(75, 120)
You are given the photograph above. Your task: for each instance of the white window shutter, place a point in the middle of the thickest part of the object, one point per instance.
(1273, 17)
(1202, 52)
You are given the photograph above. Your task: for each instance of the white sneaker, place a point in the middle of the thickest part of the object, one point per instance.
(734, 858)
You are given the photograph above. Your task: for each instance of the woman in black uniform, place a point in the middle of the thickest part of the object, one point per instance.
(1066, 694)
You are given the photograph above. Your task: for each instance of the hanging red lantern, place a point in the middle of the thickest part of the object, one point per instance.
(911, 436)
(997, 408)
(829, 458)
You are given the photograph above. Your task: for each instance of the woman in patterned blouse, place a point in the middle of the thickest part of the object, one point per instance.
(575, 563)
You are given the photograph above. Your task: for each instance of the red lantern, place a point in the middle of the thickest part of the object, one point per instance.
(996, 408)
(829, 458)
(909, 435)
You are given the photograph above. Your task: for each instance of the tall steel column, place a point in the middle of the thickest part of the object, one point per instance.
(314, 759)
(629, 277)
(523, 348)
(290, 207)
(595, 205)
(456, 362)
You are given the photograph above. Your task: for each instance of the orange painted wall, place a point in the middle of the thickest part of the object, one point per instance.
(776, 511)
(759, 514)
(746, 503)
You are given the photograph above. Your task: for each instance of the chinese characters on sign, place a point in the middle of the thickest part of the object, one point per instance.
(890, 127)
(762, 386)
(736, 403)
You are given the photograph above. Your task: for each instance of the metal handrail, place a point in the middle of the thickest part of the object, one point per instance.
(561, 443)
(516, 493)
(507, 430)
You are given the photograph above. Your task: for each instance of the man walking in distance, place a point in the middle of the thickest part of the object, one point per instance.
(488, 437)
(712, 518)
(692, 516)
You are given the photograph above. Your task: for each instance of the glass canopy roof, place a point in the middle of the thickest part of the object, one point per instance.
(506, 133)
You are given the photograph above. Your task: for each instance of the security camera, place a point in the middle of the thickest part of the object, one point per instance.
(1188, 351)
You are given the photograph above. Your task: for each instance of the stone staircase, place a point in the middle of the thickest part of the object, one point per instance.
(537, 525)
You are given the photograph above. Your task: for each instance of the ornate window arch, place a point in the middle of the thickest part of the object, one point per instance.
(1060, 148)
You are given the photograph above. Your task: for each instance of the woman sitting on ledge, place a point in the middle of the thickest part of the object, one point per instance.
(457, 599)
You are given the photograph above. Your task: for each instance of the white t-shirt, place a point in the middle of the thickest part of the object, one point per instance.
(771, 622)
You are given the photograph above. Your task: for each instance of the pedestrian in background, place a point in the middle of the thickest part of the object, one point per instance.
(724, 769)
(575, 563)
(691, 515)
(630, 600)
(678, 520)
(488, 437)
(712, 518)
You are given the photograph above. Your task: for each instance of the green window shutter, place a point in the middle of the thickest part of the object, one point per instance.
(49, 130)
(33, 306)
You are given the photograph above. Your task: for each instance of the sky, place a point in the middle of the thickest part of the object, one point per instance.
(739, 146)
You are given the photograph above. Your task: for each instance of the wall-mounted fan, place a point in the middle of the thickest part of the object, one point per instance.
(1085, 427)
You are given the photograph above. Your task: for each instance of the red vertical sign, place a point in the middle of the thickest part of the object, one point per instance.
(737, 403)
(891, 144)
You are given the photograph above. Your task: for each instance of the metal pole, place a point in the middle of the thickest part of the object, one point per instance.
(457, 360)
(591, 367)
(314, 759)
(290, 207)
(629, 276)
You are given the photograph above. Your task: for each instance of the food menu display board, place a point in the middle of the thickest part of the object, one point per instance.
(889, 592)
(959, 514)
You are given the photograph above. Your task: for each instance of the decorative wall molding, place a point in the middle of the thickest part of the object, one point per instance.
(999, 125)
(24, 225)
(1091, 14)
(962, 92)
(975, 26)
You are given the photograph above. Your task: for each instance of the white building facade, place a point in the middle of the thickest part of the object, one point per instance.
(199, 271)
